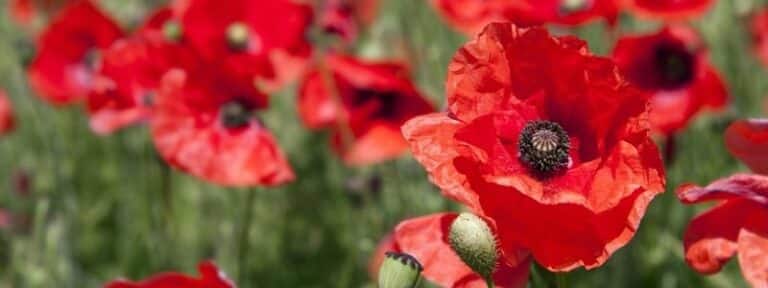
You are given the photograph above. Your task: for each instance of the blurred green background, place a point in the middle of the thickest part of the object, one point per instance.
(97, 211)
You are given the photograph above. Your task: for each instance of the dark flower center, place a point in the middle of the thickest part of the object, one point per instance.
(91, 58)
(386, 102)
(544, 147)
(235, 114)
(675, 66)
(574, 6)
(238, 36)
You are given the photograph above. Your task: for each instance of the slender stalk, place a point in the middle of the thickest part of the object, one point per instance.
(561, 280)
(245, 229)
(489, 282)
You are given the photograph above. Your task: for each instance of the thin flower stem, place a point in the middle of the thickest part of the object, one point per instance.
(489, 282)
(245, 229)
(561, 280)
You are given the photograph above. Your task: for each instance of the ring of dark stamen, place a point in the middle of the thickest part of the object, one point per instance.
(544, 147)
(235, 115)
(675, 66)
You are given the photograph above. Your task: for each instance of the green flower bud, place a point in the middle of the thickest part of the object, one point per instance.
(238, 36)
(473, 241)
(172, 30)
(399, 270)
(572, 6)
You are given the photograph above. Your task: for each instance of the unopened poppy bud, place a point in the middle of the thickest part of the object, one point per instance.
(571, 6)
(399, 270)
(472, 240)
(172, 30)
(238, 36)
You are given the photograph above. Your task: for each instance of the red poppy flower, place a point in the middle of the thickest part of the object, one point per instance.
(365, 107)
(210, 277)
(737, 224)
(239, 32)
(205, 124)
(668, 9)
(672, 66)
(470, 16)
(62, 71)
(7, 122)
(344, 17)
(759, 29)
(539, 132)
(426, 239)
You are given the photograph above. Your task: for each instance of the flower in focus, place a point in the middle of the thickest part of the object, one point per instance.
(759, 29)
(344, 18)
(426, 239)
(364, 103)
(205, 123)
(7, 122)
(210, 277)
(672, 66)
(68, 51)
(470, 16)
(240, 32)
(669, 10)
(736, 225)
(538, 133)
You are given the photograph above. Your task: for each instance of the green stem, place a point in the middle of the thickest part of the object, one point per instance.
(489, 282)
(245, 229)
(561, 280)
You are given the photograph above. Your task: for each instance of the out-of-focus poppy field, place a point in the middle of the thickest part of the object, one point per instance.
(383, 143)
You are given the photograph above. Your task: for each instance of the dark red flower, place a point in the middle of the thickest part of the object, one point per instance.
(426, 239)
(539, 132)
(210, 277)
(470, 16)
(240, 32)
(669, 10)
(205, 123)
(365, 106)
(62, 71)
(7, 122)
(672, 66)
(759, 29)
(345, 17)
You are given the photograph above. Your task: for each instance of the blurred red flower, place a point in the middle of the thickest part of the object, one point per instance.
(68, 51)
(669, 10)
(365, 103)
(210, 277)
(736, 225)
(426, 239)
(24, 11)
(7, 122)
(672, 66)
(540, 132)
(238, 33)
(205, 123)
(470, 16)
(759, 29)
(345, 18)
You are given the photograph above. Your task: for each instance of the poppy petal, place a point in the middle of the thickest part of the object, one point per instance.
(753, 249)
(210, 277)
(747, 140)
(7, 118)
(432, 142)
(740, 186)
(710, 239)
